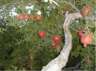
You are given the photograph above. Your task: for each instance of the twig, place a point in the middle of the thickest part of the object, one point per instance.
(72, 5)
(92, 18)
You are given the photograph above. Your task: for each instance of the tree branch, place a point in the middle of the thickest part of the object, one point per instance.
(61, 60)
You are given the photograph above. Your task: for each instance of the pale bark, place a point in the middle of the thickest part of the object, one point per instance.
(61, 60)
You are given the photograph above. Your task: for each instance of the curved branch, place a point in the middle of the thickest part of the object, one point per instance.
(61, 60)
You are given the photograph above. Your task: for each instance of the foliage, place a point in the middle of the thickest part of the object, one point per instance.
(22, 49)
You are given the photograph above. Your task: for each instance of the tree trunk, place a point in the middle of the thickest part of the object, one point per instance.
(61, 60)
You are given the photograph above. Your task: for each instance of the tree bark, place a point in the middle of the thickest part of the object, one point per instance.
(61, 60)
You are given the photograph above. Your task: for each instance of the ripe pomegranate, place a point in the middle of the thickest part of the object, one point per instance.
(85, 39)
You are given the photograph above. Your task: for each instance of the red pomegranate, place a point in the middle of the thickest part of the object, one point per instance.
(56, 40)
(42, 34)
(85, 39)
(22, 16)
(36, 18)
(86, 10)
